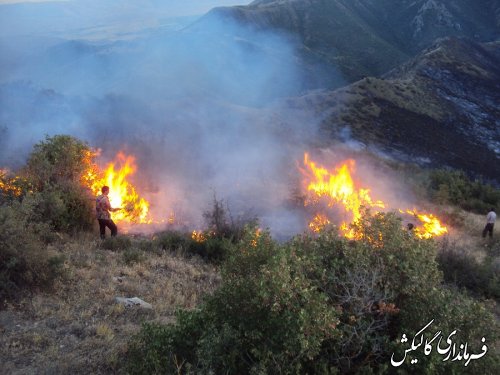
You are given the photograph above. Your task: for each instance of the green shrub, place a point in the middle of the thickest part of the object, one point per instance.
(116, 243)
(148, 246)
(319, 305)
(170, 240)
(25, 262)
(131, 256)
(212, 249)
(454, 187)
(55, 169)
(273, 320)
(462, 270)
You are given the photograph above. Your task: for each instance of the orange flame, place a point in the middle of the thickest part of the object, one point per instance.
(318, 223)
(122, 194)
(198, 236)
(10, 185)
(257, 234)
(431, 226)
(339, 189)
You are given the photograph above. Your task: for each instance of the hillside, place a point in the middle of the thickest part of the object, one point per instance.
(77, 327)
(367, 37)
(439, 109)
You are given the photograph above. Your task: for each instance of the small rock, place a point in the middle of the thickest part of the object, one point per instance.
(130, 302)
(118, 279)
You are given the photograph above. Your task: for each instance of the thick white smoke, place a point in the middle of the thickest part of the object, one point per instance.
(202, 109)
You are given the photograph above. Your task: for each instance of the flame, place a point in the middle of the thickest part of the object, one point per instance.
(122, 194)
(256, 236)
(10, 185)
(339, 189)
(319, 222)
(431, 226)
(198, 236)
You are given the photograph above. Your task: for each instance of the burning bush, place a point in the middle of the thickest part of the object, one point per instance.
(55, 170)
(336, 191)
(46, 197)
(318, 304)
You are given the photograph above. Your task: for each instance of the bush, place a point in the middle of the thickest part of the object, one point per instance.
(275, 320)
(221, 224)
(462, 270)
(56, 169)
(454, 187)
(116, 243)
(170, 240)
(25, 261)
(47, 196)
(319, 305)
(131, 256)
(210, 247)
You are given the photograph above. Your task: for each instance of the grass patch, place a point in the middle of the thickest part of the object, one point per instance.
(116, 243)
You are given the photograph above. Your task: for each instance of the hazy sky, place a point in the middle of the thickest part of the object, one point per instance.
(178, 7)
(96, 19)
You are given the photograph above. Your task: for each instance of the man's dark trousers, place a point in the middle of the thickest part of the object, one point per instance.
(488, 229)
(103, 223)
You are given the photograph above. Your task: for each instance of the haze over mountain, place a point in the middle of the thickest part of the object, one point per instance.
(369, 37)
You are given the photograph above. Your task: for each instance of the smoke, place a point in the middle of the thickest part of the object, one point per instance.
(205, 111)
(202, 110)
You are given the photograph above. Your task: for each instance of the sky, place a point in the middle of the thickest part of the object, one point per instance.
(178, 7)
(97, 19)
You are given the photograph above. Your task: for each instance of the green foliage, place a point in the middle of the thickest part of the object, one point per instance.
(318, 305)
(170, 240)
(56, 161)
(461, 269)
(454, 187)
(131, 256)
(116, 243)
(211, 248)
(25, 261)
(273, 321)
(55, 170)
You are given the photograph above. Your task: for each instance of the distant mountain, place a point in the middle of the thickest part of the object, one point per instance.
(369, 37)
(441, 108)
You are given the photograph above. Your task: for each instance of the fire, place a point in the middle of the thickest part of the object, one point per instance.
(338, 188)
(431, 226)
(198, 236)
(122, 194)
(319, 222)
(10, 185)
(257, 234)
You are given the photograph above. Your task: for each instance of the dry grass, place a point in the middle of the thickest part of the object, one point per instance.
(78, 328)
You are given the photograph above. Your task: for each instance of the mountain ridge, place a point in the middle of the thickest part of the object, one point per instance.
(440, 109)
(368, 38)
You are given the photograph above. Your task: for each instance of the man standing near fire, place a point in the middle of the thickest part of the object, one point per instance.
(103, 210)
(490, 223)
